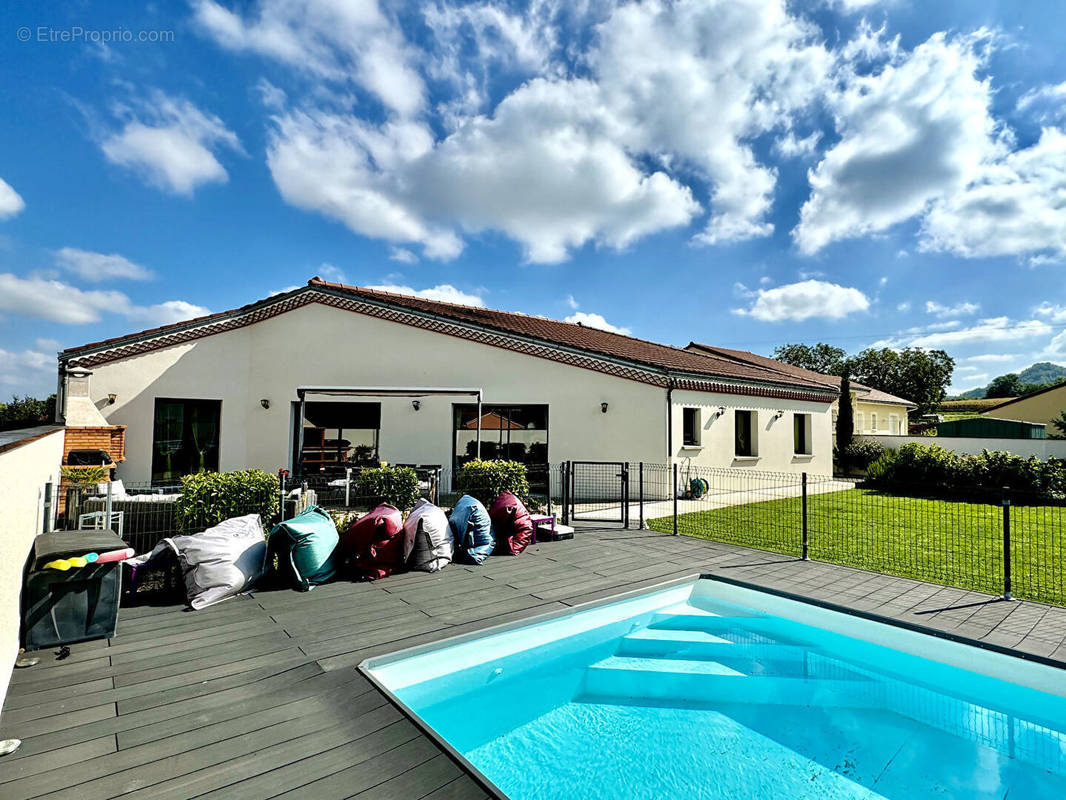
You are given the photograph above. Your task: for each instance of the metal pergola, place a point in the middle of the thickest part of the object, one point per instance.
(378, 391)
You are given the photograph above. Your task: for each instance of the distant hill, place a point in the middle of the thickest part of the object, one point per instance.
(1040, 373)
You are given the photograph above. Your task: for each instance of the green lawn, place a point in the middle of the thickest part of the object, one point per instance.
(958, 544)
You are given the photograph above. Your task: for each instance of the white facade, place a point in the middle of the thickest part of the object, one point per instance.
(319, 345)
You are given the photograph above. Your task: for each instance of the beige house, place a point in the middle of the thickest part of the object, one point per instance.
(222, 392)
(875, 412)
(1041, 407)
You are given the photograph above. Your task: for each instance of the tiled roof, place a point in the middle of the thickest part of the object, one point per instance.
(577, 344)
(869, 394)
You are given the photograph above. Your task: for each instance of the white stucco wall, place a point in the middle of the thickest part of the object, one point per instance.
(1041, 448)
(24, 470)
(320, 345)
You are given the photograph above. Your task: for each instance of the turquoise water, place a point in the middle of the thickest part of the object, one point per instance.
(708, 699)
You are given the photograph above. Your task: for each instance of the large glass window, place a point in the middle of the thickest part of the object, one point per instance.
(185, 438)
(690, 427)
(801, 434)
(337, 435)
(513, 433)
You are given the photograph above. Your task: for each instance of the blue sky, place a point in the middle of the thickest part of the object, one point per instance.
(739, 172)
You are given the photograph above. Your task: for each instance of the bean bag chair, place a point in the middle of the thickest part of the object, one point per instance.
(512, 525)
(471, 530)
(375, 544)
(427, 528)
(218, 563)
(305, 547)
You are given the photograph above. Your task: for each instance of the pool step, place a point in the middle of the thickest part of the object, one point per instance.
(746, 630)
(702, 645)
(703, 681)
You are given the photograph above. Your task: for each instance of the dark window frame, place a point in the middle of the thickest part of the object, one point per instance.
(741, 449)
(364, 407)
(488, 408)
(801, 434)
(690, 427)
(208, 459)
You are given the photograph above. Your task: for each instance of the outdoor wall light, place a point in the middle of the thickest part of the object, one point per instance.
(111, 398)
(416, 404)
(265, 403)
(603, 407)
(779, 414)
(721, 410)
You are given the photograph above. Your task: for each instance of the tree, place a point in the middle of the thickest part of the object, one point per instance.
(1059, 424)
(1009, 385)
(822, 357)
(921, 376)
(25, 412)
(845, 416)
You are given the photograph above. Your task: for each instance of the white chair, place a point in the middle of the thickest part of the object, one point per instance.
(94, 521)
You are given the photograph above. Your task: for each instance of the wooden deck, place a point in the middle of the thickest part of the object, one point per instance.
(259, 697)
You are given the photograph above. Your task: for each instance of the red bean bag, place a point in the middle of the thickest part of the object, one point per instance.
(375, 544)
(512, 524)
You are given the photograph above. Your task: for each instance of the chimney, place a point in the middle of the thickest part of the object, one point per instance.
(79, 410)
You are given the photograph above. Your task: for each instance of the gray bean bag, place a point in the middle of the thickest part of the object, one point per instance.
(428, 528)
(220, 562)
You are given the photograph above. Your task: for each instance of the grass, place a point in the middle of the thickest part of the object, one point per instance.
(951, 416)
(979, 405)
(952, 543)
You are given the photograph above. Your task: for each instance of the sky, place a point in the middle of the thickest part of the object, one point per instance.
(743, 173)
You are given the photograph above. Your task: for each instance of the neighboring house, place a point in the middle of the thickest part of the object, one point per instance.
(1040, 407)
(875, 412)
(991, 428)
(220, 392)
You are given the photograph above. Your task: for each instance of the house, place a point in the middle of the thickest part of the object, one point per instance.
(1040, 406)
(982, 427)
(297, 372)
(875, 412)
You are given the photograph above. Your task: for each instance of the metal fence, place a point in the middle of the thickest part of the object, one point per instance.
(1001, 542)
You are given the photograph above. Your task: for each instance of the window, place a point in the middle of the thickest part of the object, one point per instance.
(184, 438)
(858, 423)
(893, 424)
(515, 433)
(690, 434)
(801, 434)
(873, 422)
(745, 433)
(337, 435)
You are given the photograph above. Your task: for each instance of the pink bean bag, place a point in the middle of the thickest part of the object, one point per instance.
(376, 545)
(511, 522)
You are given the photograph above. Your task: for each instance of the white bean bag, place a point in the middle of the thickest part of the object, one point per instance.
(222, 561)
(428, 528)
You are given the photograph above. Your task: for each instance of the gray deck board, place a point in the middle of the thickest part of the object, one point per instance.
(258, 697)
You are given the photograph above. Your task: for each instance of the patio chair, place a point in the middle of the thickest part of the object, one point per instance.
(95, 521)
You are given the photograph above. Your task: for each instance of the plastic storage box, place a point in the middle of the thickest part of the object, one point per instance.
(76, 605)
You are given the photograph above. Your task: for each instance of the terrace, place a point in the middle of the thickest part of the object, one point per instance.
(260, 697)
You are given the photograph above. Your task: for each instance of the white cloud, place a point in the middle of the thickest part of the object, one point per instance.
(596, 321)
(992, 358)
(170, 143)
(570, 301)
(56, 301)
(98, 267)
(445, 293)
(403, 255)
(166, 313)
(11, 202)
(342, 42)
(1053, 311)
(331, 273)
(904, 307)
(959, 309)
(1057, 347)
(995, 329)
(1046, 104)
(31, 371)
(1014, 207)
(788, 146)
(272, 97)
(915, 132)
(805, 300)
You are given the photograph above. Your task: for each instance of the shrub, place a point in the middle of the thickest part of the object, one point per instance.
(486, 479)
(208, 498)
(85, 476)
(862, 453)
(395, 485)
(929, 469)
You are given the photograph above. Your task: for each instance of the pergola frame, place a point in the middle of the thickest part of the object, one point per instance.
(378, 391)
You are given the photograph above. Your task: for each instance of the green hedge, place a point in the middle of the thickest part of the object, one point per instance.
(395, 485)
(861, 453)
(929, 469)
(208, 498)
(485, 480)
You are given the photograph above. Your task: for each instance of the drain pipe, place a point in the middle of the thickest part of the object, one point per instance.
(669, 418)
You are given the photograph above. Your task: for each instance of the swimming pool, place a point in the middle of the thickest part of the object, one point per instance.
(712, 689)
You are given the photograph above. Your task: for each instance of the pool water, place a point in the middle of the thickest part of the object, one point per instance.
(708, 690)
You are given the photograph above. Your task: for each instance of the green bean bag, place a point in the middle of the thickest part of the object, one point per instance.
(305, 547)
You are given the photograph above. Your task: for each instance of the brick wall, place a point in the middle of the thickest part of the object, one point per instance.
(111, 438)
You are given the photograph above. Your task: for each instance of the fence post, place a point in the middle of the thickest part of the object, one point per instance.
(49, 502)
(625, 494)
(282, 475)
(675, 498)
(347, 486)
(804, 516)
(565, 469)
(107, 508)
(640, 491)
(1006, 544)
